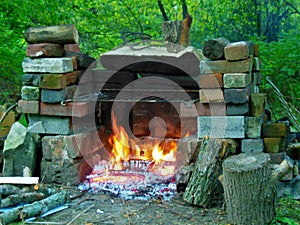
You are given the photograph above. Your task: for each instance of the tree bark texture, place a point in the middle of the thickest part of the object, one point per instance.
(250, 188)
(34, 209)
(203, 188)
(62, 34)
(214, 48)
(14, 199)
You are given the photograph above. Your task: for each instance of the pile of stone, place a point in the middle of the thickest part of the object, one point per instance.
(52, 69)
(230, 87)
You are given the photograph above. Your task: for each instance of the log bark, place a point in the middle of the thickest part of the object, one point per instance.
(250, 187)
(34, 209)
(7, 189)
(62, 34)
(204, 189)
(14, 199)
(214, 48)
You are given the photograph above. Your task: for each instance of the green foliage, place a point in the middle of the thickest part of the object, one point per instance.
(100, 24)
(288, 211)
(280, 62)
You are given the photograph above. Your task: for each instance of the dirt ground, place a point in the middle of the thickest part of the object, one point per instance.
(92, 209)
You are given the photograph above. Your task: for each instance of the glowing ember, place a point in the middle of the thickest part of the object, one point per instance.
(135, 170)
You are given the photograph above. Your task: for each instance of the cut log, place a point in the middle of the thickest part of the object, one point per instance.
(214, 48)
(62, 34)
(204, 189)
(7, 189)
(14, 199)
(250, 187)
(171, 31)
(34, 209)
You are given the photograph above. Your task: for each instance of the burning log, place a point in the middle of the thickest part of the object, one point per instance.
(204, 189)
(36, 208)
(250, 182)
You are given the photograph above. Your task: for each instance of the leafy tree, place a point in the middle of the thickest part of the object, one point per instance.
(273, 24)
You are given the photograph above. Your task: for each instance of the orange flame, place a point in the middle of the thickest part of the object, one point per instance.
(123, 148)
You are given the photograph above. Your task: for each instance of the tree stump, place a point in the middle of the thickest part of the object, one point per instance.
(214, 48)
(203, 188)
(250, 187)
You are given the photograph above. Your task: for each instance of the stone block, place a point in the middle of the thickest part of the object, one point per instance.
(65, 171)
(49, 124)
(236, 80)
(202, 109)
(44, 50)
(77, 109)
(47, 65)
(32, 79)
(277, 158)
(55, 96)
(274, 145)
(83, 59)
(28, 107)
(30, 93)
(236, 96)
(253, 127)
(224, 66)
(72, 48)
(166, 126)
(257, 104)
(221, 126)
(252, 145)
(20, 150)
(237, 109)
(275, 130)
(238, 50)
(211, 95)
(71, 146)
(47, 142)
(59, 81)
(211, 81)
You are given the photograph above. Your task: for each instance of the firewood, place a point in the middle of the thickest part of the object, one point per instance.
(204, 189)
(62, 34)
(7, 189)
(214, 48)
(12, 200)
(250, 182)
(34, 209)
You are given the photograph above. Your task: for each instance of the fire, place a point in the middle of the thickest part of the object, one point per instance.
(124, 149)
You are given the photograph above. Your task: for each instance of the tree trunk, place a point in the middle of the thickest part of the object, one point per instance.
(63, 34)
(204, 189)
(214, 48)
(250, 188)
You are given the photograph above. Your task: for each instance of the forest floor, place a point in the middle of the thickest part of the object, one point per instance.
(92, 209)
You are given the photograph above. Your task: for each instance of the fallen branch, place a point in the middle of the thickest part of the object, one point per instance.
(76, 217)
